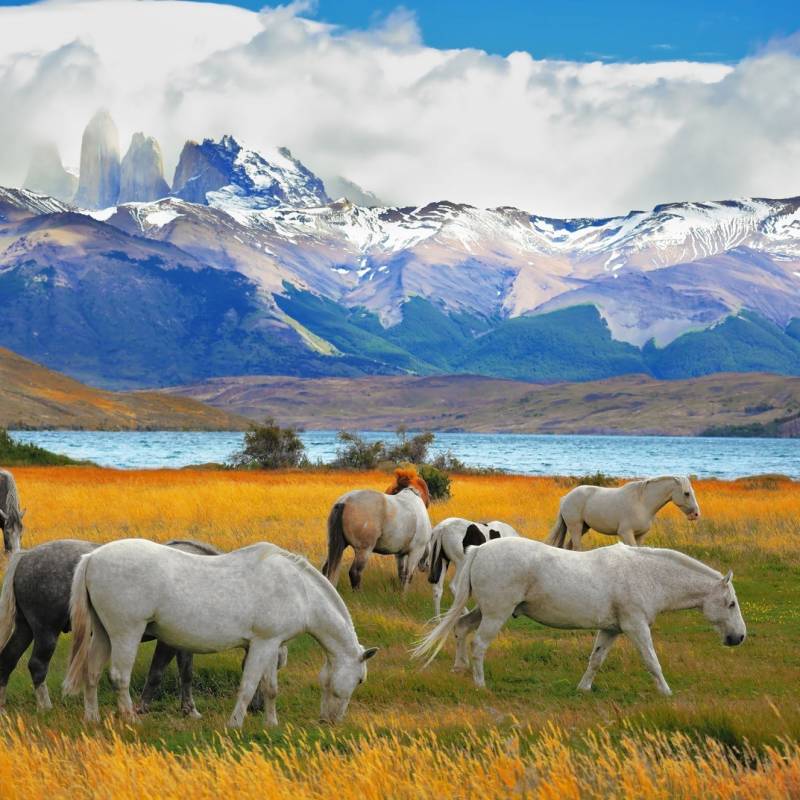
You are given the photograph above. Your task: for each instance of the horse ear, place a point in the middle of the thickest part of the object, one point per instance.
(23, 513)
(727, 578)
(368, 653)
(3, 515)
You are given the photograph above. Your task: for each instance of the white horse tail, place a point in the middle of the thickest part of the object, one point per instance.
(81, 617)
(558, 534)
(8, 602)
(462, 589)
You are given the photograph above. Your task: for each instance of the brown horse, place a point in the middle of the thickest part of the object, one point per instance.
(393, 523)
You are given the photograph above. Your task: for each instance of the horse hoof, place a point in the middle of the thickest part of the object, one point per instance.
(192, 713)
(460, 668)
(586, 689)
(91, 718)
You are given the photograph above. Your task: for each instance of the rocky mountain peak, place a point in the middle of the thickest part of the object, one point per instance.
(99, 181)
(142, 171)
(46, 173)
(224, 173)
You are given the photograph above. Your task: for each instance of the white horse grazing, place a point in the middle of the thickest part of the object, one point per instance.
(257, 598)
(613, 590)
(626, 511)
(449, 542)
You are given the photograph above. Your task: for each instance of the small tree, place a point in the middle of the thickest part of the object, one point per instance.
(413, 450)
(268, 446)
(437, 480)
(356, 453)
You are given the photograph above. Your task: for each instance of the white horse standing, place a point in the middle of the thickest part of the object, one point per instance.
(258, 598)
(626, 511)
(449, 542)
(394, 522)
(613, 590)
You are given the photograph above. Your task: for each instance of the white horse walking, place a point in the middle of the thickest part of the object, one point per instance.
(449, 542)
(626, 511)
(613, 590)
(257, 598)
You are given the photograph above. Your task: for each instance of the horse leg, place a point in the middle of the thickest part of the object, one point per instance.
(402, 567)
(185, 670)
(639, 537)
(123, 656)
(357, 567)
(414, 557)
(12, 653)
(257, 703)
(44, 646)
(438, 590)
(488, 629)
(626, 534)
(465, 626)
(575, 530)
(269, 689)
(639, 632)
(99, 652)
(259, 655)
(161, 657)
(602, 644)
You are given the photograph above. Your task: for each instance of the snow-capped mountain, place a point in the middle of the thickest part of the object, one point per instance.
(225, 174)
(370, 285)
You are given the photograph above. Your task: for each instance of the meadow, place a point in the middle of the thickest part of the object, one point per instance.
(731, 730)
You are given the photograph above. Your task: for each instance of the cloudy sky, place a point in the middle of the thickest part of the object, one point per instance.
(498, 104)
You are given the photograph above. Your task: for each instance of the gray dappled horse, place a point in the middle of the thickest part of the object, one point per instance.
(10, 513)
(34, 606)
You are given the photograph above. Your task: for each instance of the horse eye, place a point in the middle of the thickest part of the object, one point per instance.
(732, 604)
(686, 493)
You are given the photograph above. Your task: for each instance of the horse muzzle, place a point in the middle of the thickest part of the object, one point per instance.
(734, 639)
(693, 516)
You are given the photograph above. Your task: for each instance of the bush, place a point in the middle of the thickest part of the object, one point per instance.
(411, 451)
(438, 481)
(268, 446)
(355, 453)
(594, 479)
(447, 462)
(16, 454)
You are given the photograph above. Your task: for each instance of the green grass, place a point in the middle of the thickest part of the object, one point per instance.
(733, 695)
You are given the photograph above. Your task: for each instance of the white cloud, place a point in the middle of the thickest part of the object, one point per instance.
(408, 122)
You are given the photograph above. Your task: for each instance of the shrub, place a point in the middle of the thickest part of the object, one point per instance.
(595, 479)
(356, 453)
(447, 462)
(16, 454)
(411, 451)
(268, 446)
(438, 481)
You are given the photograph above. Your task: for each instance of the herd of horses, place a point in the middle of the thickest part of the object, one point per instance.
(191, 598)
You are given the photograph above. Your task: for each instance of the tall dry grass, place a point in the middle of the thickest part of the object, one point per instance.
(396, 766)
(290, 508)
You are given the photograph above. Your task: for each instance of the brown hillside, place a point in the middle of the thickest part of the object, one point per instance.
(631, 404)
(32, 396)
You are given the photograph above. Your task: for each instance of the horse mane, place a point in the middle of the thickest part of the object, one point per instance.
(409, 478)
(681, 558)
(304, 565)
(203, 547)
(682, 480)
(12, 509)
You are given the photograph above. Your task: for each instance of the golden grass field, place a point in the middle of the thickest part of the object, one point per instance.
(731, 730)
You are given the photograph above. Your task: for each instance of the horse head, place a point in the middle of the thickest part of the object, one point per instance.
(721, 609)
(683, 497)
(409, 478)
(12, 526)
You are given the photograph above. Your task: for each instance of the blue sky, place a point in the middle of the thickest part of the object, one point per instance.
(627, 30)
